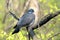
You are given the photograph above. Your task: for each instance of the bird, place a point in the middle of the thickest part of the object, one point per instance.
(25, 20)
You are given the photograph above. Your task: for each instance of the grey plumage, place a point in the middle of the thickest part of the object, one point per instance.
(25, 20)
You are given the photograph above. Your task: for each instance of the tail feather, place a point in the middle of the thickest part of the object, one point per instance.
(16, 30)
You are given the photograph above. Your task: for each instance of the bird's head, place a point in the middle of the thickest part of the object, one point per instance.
(30, 11)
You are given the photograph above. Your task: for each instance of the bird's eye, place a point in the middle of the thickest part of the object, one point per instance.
(30, 12)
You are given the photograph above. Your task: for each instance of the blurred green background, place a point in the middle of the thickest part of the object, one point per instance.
(42, 33)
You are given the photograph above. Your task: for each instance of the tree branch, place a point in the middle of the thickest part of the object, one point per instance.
(47, 18)
(44, 20)
(54, 36)
(14, 15)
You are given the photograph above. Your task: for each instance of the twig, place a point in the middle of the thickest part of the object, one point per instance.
(25, 7)
(54, 36)
(6, 13)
